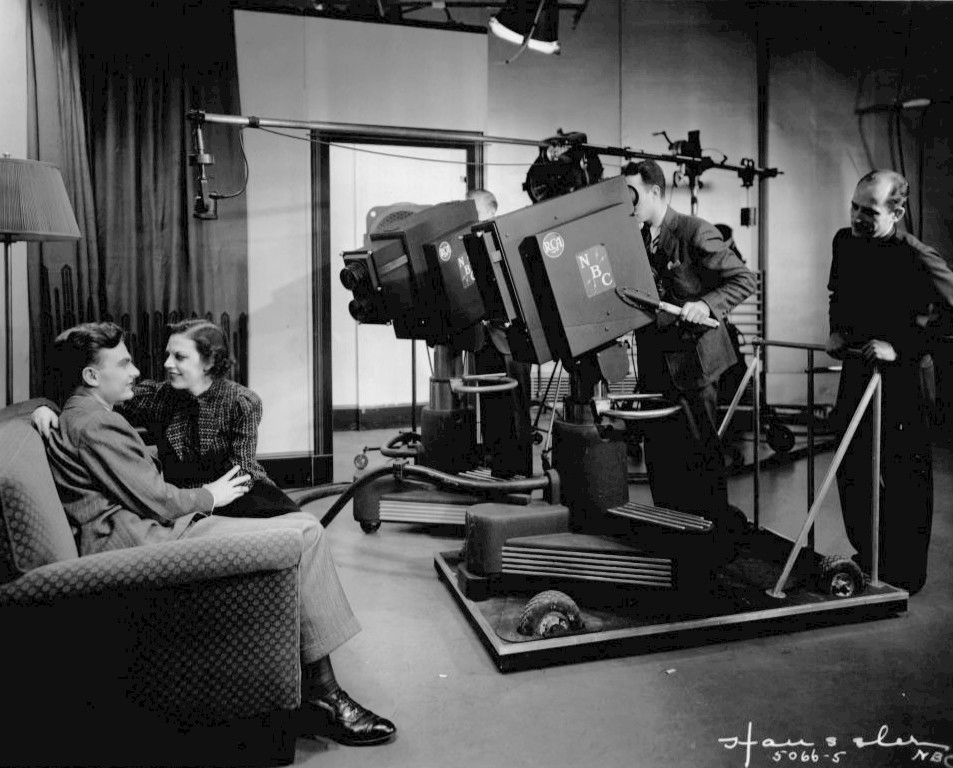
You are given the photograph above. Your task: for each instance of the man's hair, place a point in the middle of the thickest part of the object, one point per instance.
(650, 171)
(483, 194)
(898, 189)
(210, 341)
(79, 346)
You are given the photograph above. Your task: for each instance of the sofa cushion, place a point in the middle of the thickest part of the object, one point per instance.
(34, 530)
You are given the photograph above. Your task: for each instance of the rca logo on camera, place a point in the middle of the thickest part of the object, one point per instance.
(553, 245)
(444, 251)
(595, 270)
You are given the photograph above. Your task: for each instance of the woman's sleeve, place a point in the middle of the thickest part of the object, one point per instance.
(243, 435)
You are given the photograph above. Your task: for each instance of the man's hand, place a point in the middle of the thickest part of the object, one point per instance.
(695, 312)
(44, 421)
(228, 487)
(876, 350)
(836, 346)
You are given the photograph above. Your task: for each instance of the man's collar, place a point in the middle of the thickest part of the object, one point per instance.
(89, 397)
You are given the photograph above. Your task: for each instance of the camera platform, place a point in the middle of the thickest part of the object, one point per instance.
(619, 620)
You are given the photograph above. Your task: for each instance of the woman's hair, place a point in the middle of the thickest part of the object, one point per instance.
(79, 346)
(210, 341)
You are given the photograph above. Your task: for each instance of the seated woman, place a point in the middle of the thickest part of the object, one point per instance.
(202, 423)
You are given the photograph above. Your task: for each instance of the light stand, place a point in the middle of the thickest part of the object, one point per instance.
(34, 206)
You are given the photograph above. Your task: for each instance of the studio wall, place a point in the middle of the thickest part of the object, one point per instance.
(342, 72)
(693, 66)
(824, 61)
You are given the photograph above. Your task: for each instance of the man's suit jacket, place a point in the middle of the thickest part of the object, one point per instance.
(110, 482)
(692, 263)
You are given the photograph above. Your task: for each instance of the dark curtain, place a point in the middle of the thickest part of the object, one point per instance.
(127, 76)
(65, 279)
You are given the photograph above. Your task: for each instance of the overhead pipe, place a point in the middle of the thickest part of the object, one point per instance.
(748, 171)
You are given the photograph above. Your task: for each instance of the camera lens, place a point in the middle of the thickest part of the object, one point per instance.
(360, 309)
(353, 274)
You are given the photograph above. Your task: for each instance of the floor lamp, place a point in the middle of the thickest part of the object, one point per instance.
(33, 206)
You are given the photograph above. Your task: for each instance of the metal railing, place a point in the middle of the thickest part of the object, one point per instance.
(872, 398)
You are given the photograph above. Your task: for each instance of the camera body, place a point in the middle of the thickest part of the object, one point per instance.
(418, 276)
(549, 272)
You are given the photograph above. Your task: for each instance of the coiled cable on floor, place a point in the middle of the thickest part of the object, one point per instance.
(548, 482)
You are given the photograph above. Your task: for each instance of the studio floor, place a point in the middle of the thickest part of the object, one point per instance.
(878, 693)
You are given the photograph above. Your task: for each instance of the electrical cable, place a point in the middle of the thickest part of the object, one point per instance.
(898, 120)
(388, 154)
(228, 195)
(724, 155)
(921, 168)
(868, 153)
(890, 143)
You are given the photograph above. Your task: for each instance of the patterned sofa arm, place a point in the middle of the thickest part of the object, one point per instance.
(157, 565)
(198, 631)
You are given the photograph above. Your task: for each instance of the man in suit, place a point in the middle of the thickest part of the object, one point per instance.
(678, 356)
(115, 496)
(886, 290)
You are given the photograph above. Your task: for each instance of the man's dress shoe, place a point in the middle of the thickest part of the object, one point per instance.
(347, 722)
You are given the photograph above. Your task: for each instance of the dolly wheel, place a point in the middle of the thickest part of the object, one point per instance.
(780, 438)
(840, 577)
(370, 526)
(549, 614)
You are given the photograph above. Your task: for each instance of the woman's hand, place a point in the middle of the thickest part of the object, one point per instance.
(45, 420)
(228, 487)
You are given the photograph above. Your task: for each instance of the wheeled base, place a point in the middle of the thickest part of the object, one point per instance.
(623, 622)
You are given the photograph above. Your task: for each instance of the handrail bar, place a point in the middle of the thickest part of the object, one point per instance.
(788, 344)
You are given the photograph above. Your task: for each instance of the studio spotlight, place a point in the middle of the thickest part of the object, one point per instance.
(532, 24)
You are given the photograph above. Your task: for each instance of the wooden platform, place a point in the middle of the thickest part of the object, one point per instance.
(625, 622)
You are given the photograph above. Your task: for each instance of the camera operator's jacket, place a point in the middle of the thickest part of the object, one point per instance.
(692, 263)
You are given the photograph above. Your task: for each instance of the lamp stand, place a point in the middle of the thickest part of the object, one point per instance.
(8, 316)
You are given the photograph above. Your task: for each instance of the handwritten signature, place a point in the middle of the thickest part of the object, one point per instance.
(801, 750)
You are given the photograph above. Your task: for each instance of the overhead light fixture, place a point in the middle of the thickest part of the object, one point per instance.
(895, 106)
(532, 24)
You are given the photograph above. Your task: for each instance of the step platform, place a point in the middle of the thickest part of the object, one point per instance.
(622, 619)
(386, 500)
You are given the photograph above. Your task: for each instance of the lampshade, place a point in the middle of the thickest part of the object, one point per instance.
(33, 202)
(516, 19)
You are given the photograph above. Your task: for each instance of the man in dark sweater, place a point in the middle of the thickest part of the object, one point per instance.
(886, 288)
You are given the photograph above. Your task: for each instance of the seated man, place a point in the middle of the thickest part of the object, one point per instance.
(116, 497)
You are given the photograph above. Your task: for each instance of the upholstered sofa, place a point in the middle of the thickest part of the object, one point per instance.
(169, 639)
